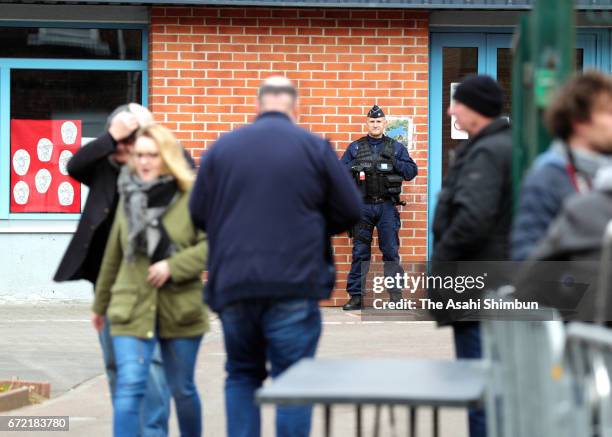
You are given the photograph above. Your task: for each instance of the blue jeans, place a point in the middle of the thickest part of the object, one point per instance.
(385, 217)
(468, 346)
(258, 331)
(133, 356)
(156, 405)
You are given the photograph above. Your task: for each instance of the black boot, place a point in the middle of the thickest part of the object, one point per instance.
(395, 296)
(353, 304)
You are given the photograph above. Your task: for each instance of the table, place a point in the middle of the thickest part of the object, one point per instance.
(409, 382)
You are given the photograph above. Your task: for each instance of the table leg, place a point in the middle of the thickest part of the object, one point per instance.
(359, 420)
(412, 425)
(377, 421)
(392, 419)
(327, 421)
(436, 431)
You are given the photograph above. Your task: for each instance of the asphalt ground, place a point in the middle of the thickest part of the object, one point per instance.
(55, 342)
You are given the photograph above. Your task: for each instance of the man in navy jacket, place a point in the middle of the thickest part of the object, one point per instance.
(270, 195)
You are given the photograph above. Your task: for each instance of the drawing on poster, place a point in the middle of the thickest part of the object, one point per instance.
(21, 192)
(400, 129)
(65, 194)
(44, 149)
(69, 132)
(63, 161)
(42, 180)
(21, 162)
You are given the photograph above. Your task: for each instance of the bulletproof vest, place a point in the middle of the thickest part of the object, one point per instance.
(381, 180)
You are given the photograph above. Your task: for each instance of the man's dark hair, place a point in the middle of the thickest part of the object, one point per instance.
(576, 101)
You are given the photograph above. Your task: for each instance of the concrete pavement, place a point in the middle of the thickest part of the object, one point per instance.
(55, 342)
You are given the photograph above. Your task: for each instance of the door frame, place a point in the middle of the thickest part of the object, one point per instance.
(596, 44)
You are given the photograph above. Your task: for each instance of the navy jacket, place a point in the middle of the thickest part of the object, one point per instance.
(547, 185)
(404, 165)
(544, 189)
(270, 195)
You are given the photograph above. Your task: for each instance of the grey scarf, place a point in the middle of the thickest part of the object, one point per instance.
(587, 161)
(144, 205)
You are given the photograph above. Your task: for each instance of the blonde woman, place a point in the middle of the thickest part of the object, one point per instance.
(149, 287)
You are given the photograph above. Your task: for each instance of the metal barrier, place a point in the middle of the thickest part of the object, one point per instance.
(528, 394)
(588, 361)
(549, 378)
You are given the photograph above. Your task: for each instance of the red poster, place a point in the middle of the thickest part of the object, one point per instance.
(40, 151)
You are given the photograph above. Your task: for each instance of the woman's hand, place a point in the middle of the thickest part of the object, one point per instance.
(97, 321)
(159, 273)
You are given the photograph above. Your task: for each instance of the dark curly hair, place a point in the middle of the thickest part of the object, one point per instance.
(576, 101)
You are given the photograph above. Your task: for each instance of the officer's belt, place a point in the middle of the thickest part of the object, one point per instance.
(375, 199)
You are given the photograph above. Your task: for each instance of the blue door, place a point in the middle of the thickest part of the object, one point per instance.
(457, 54)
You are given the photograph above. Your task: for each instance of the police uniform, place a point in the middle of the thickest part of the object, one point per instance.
(379, 166)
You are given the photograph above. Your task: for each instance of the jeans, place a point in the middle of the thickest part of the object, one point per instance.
(468, 345)
(156, 406)
(133, 357)
(258, 331)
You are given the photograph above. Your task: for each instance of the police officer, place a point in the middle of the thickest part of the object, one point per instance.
(379, 165)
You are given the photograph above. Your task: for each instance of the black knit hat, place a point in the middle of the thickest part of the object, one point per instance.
(482, 94)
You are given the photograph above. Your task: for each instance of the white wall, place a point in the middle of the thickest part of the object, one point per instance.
(27, 264)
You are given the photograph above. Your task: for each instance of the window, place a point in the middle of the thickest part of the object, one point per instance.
(70, 43)
(52, 113)
(50, 107)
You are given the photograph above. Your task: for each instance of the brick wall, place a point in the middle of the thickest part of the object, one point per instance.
(206, 64)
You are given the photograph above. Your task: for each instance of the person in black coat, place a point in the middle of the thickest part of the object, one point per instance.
(474, 211)
(97, 165)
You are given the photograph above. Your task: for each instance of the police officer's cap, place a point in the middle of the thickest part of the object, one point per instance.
(375, 112)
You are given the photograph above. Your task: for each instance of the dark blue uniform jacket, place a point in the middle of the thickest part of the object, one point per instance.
(404, 165)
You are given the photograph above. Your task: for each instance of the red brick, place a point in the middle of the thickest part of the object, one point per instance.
(211, 39)
(245, 57)
(232, 48)
(164, 20)
(233, 12)
(297, 23)
(205, 12)
(243, 39)
(310, 31)
(180, 99)
(269, 40)
(371, 32)
(311, 49)
(258, 12)
(244, 22)
(191, 21)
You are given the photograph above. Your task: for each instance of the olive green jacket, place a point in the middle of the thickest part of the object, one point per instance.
(133, 306)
